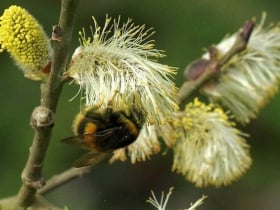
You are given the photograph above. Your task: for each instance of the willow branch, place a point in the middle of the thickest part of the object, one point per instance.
(185, 91)
(42, 118)
(63, 178)
(72, 173)
(213, 66)
(188, 88)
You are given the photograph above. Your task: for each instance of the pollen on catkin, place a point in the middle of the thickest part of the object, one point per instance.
(209, 150)
(121, 58)
(25, 40)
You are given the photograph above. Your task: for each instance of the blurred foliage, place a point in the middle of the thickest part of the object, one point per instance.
(184, 29)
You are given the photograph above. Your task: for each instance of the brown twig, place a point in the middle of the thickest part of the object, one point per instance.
(72, 173)
(43, 116)
(210, 68)
(63, 178)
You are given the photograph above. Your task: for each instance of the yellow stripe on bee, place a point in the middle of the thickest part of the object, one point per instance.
(90, 128)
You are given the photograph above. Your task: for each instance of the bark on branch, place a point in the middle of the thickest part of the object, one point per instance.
(43, 116)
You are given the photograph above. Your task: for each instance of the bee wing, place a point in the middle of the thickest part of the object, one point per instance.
(91, 159)
(87, 140)
(76, 141)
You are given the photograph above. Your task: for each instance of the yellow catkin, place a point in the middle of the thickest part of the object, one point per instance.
(24, 38)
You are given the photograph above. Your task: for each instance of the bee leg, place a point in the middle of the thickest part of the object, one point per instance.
(109, 110)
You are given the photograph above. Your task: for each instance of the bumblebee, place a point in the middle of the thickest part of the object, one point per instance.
(101, 131)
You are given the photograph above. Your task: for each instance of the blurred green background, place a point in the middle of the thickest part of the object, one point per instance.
(184, 29)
